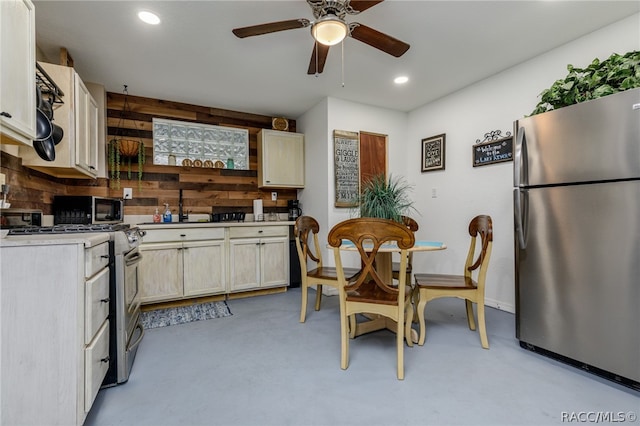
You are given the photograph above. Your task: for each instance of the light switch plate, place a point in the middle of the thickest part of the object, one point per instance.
(127, 193)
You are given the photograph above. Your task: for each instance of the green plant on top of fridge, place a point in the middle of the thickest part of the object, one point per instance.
(615, 74)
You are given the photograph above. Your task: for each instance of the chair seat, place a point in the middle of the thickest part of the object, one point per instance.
(369, 292)
(330, 273)
(445, 281)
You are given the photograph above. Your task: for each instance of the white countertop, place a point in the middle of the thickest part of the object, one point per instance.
(172, 225)
(89, 239)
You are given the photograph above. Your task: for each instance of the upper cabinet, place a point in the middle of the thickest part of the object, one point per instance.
(280, 159)
(79, 116)
(17, 72)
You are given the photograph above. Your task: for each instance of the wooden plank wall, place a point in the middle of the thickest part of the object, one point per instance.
(204, 190)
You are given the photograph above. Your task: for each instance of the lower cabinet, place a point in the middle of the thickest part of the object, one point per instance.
(55, 328)
(185, 261)
(258, 257)
(189, 265)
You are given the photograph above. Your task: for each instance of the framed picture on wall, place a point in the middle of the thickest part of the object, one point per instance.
(433, 150)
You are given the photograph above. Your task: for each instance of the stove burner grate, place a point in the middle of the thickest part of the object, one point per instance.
(67, 229)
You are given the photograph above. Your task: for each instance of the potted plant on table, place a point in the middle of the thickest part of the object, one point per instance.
(385, 198)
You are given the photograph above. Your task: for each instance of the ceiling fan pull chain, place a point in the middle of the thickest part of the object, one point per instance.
(315, 49)
(342, 43)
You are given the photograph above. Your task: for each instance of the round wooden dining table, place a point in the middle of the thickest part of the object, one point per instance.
(384, 267)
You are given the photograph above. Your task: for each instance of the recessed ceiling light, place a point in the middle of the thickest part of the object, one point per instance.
(148, 17)
(401, 80)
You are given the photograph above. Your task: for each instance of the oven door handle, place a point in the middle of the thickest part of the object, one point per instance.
(134, 344)
(135, 258)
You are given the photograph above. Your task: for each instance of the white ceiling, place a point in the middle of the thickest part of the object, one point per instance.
(193, 57)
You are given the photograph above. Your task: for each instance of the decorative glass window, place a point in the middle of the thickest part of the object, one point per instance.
(201, 145)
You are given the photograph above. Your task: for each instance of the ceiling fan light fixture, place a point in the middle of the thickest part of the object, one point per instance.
(329, 30)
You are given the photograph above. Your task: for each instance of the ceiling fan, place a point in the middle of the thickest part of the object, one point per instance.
(330, 28)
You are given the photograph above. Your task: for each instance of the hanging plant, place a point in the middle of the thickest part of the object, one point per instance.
(125, 149)
(615, 74)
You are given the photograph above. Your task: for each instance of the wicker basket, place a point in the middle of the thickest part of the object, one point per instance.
(128, 147)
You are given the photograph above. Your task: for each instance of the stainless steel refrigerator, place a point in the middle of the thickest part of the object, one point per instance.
(577, 235)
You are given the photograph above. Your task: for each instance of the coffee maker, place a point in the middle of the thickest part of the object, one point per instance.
(294, 209)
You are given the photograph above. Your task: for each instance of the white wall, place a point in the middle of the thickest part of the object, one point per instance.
(462, 190)
(349, 116)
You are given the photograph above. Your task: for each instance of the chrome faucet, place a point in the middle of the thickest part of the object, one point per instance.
(182, 217)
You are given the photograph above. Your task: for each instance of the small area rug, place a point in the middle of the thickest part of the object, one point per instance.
(184, 314)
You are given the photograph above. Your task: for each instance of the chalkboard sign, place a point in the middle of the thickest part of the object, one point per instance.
(347, 168)
(493, 152)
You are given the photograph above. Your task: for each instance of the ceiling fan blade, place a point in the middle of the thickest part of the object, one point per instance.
(322, 51)
(362, 5)
(379, 40)
(271, 27)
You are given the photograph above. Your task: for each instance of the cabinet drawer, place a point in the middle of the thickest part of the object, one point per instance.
(183, 234)
(258, 231)
(96, 303)
(95, 258)
(96, 364)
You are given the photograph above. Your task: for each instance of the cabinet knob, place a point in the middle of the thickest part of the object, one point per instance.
(183, 235)
(92, 168)
(106, 359)
(105, 256)
(5, 114)
(260, 231)
(106, 300)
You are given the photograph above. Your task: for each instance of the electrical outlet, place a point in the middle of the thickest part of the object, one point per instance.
(434, 193)
(127, 193)
(274, 196)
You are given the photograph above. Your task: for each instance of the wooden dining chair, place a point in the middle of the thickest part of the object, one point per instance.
(433, 286)
(313, 272)
(368, 293)
(395, 267)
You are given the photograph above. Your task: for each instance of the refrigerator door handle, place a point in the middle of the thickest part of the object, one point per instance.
(518, 211)
(519, 158)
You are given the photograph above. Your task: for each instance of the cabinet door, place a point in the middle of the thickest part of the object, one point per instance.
(160, 272)
(94, 129)
(86, 125)
(280, 159)
(274, 259)
(17, 71)
(204, 268)
(244, 261)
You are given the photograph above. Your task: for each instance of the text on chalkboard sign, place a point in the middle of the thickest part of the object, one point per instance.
(496, 151)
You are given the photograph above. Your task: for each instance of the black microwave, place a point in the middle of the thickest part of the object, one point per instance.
(86, 210)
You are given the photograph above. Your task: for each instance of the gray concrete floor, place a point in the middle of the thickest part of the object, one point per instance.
(262, 367)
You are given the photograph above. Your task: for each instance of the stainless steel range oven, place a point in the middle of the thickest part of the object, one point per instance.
(129, 330)
(126, 331)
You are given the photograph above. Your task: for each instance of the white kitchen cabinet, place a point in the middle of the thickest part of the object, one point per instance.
(258, 257)
(181, 263)
(98, 114)
(55, 324)
(17, 72)
(78, 115)
(280, 159)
